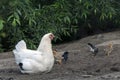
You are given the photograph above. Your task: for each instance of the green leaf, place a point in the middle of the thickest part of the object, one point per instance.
(14, 22)
(75, 21)
(95, 11)
(67, 20)
(30, 22)
(19, 12)
(80, 1)
(102, 17)
(10, 17)
(3, 34)
(1, 24)
(110, 15)
(84, 15)
(16, 15)
(18, 21)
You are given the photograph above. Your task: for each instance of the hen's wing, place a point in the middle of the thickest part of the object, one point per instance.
(21, 52)
(28, 54)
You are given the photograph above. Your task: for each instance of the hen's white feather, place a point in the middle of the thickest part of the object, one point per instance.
(35, 60)
(21, 45)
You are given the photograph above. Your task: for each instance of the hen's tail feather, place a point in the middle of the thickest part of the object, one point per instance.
(21, 66)
(21, 45)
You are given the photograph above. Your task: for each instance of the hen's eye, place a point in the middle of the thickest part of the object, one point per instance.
(51, 36)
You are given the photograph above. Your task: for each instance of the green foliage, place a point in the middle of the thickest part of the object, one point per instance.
(1, 24)
(31, 19)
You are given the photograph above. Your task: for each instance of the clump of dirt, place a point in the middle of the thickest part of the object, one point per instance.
(81, 64)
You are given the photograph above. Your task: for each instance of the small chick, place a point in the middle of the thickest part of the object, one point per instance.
(65, 56)
(58, 57)
(108, 49)
(93, 49)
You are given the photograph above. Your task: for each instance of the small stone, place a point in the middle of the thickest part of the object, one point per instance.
(87, 76)
(118, 77)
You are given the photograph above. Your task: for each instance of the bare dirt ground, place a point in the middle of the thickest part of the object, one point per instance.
(81, 65)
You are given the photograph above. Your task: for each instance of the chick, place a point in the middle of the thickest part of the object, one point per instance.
(108, 49)
(93, 49)
(58, 57)
(65, 56)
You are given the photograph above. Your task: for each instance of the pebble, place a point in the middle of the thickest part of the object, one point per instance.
(86, 76)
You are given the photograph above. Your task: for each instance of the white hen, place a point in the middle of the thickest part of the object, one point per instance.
(33, 61)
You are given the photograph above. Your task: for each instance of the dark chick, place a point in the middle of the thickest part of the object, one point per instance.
(65, 56)
(93, 49)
